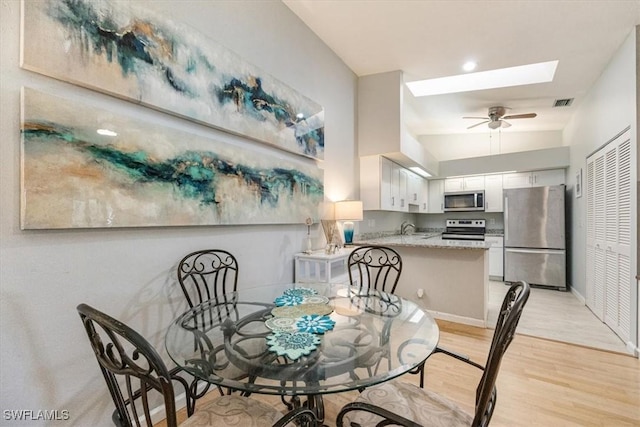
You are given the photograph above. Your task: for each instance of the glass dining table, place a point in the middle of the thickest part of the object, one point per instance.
(302, 341)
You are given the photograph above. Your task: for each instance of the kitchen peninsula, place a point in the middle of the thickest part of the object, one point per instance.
(453, 275)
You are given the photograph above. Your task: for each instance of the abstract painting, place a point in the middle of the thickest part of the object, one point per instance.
(85, 167)
(112, 47)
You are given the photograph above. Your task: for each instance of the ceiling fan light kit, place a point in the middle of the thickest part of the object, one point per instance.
(496, 118)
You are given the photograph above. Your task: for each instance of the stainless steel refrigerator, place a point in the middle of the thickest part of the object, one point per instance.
(534, 236)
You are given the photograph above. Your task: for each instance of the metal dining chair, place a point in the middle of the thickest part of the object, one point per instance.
(375, 267)
(137, 378)
(404, 404)
(207, 274)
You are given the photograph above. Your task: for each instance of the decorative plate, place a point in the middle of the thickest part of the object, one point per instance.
(302, 292)
(315, 299)
(319, 309)
(315, 324)
(292, 344)
(282, 324)
(287, 311)
(288, 300)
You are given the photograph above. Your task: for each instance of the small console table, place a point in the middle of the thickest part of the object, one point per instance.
(319, 267)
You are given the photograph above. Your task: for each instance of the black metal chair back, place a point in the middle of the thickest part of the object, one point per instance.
(510, 312)
(375, 267)
(207, 274)
(135, 374)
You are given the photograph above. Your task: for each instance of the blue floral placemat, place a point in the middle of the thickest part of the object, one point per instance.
(288, 299)
(292, 344)
(315, 324)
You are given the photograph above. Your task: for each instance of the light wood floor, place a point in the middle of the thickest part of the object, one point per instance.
(541, 382)
(558, 316)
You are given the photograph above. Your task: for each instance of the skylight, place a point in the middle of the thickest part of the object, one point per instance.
(541, 72)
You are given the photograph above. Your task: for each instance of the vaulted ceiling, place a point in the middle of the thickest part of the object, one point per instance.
(432, 38)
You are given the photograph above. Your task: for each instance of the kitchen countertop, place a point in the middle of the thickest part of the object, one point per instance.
(428, 240)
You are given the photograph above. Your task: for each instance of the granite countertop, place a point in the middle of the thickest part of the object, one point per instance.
(423, 240)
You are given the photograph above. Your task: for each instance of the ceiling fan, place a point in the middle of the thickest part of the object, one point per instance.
(496, 118)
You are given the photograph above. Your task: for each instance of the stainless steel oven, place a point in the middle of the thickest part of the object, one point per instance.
(464, 201)
(465, 229)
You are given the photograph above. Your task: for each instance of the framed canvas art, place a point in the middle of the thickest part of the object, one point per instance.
(128, 52)
(85, 167)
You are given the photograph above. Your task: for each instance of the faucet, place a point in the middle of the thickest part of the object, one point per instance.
(405, 225)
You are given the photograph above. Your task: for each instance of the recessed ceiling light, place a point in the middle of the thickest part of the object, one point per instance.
(469, 66)
(106, 132)
(541, 72)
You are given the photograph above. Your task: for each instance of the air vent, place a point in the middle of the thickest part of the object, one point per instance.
(563, 102)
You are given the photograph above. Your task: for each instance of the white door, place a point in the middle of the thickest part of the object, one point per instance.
(608, 274)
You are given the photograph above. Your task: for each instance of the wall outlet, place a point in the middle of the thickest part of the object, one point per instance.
(492, 221)
(371, 223)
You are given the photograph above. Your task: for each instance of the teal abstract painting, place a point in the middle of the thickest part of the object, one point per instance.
(118, 49)
(85, 167)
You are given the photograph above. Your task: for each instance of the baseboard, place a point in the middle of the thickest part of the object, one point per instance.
(458, 319)
(576, 294)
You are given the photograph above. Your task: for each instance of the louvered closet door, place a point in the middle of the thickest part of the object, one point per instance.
(618, 236)
(596, 268)
(589, 190)
(608, 206)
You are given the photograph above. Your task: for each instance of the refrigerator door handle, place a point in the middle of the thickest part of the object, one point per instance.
(536, 251)
(506, 219)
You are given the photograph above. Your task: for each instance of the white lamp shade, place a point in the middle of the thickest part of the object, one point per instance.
(348, 210)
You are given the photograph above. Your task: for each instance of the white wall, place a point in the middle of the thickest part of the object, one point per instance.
(492, 142)
(46, 362)
(609, 107)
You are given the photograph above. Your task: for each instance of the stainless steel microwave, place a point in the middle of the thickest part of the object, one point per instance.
(464, 201)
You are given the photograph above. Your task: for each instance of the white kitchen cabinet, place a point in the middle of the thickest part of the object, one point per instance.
(464, 183)
(533, 179)
(423, 205)
(399, 178)
(493, 193)
(436, 196)
(496, 257)
(383, 184)
(417, 192)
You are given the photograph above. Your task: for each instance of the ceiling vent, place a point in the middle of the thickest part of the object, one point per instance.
(563, 102)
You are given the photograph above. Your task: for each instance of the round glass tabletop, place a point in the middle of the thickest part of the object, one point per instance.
(306, 339)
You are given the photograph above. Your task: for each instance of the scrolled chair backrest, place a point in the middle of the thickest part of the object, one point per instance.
(375, 267)
(132, 369)
(510, 312)
(207, 274)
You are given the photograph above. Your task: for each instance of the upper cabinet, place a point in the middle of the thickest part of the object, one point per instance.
(533, 179)
(387, 186)
(493, 193)
(417, 193)
(436, 196)
(464, 183)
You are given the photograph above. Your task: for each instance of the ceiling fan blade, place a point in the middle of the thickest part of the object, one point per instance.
(478, 124)
(521, 116)
(504, 124)
(477, 118)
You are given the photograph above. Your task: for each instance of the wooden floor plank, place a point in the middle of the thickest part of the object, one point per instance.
(541, 382)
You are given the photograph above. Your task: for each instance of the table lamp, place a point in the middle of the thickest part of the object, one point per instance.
(348, 211)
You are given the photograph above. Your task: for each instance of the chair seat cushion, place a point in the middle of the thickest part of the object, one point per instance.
(412, 402)
(233, 410)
